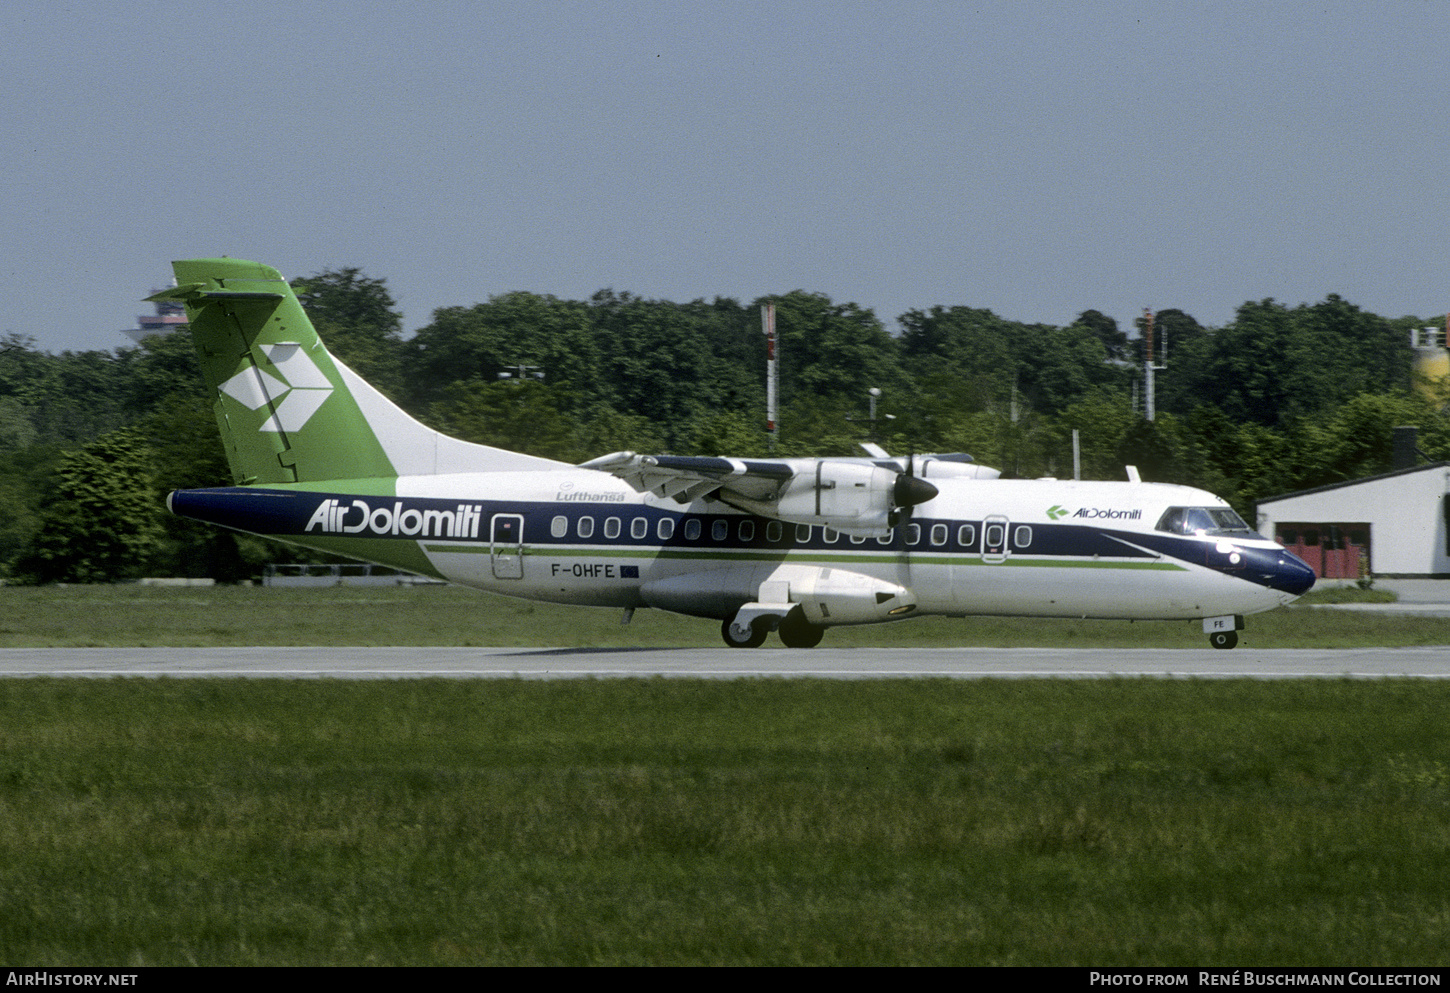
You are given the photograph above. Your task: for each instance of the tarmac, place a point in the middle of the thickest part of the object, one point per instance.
(1417, 597)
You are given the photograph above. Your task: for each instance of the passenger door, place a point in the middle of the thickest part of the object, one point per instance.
(507, 546)
(994, 538)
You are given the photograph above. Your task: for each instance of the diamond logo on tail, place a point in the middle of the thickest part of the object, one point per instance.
(294, 399)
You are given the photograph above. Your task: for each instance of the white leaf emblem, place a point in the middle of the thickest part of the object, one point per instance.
(294, 401)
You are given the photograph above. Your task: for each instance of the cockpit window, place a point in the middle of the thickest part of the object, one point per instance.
(1202, 520)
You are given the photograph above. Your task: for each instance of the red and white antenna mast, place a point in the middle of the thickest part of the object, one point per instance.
(1148, 365)
(772, 366)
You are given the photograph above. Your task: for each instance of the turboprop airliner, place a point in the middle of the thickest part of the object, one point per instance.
(792, 546)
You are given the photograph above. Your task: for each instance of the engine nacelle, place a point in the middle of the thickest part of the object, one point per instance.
(953, 466)
(853, 497)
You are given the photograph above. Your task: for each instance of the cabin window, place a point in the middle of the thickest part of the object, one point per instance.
(747, 530)
(585, 527)
(857, 539)
(913, 535)
(692, 529)
(802, 533)
(829, 535)
(612, 526)
(885, 539)
(719, 529)
(638, 528)
(559, 527)
(1022, 537)
(665, 529)
(938, 534)
(967, 535)
(773, 531)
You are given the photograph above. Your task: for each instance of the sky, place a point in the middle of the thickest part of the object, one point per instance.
(1034, 159)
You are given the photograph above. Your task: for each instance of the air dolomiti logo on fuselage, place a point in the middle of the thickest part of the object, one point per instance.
(294, 401)
(336, 517)
(1108, 513)
(1057, 512)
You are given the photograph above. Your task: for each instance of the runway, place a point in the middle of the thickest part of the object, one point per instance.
(722, 663)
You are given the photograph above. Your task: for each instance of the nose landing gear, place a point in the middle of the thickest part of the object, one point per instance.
(1223, 632)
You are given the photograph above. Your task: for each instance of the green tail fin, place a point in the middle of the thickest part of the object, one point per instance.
(288, 411)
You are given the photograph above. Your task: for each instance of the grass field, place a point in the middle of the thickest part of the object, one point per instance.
(113, 616)
(446, 822)
(172, 822)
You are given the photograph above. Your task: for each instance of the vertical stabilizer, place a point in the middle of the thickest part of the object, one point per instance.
(288, 411)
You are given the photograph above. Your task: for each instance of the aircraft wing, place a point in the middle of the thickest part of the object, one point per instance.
(853, 496)
(688, 477)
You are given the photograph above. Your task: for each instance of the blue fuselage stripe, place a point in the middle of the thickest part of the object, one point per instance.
(637, 528)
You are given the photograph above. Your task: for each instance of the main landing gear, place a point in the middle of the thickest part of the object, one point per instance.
(744, 635)
(795, 631)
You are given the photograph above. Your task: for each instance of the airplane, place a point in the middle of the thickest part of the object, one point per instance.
(794, 546)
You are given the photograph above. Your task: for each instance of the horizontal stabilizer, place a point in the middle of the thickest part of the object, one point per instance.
(198, 292)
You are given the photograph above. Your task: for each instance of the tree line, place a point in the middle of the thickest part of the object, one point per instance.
(1281, 398)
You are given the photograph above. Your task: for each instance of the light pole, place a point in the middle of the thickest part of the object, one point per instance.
(872, 394)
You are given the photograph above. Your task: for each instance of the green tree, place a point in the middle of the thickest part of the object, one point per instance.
(187, 453)
(984, 362)
(519, 415)
(655, 360)
(464, 344)
(834, 350)
(1102, 418)
(1274, 365)
(1102, 327)
(1153, 447)
(100, 523)
(25, 474)
(601, 429)
(732, 433)
(1359, 439)
(164, 365)
(81, 395)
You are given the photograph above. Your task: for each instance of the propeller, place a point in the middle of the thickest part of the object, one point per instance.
(908, 491)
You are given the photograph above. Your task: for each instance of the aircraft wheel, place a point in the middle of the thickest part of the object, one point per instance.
(797, 632)
(1223, 639)
(743, 636)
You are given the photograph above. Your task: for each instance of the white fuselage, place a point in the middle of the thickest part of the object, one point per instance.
(1016, 547)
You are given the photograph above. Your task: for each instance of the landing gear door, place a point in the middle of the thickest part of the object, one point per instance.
(994, 539)
(507, 546)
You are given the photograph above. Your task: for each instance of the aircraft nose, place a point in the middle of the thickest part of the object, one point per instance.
(1291, 574)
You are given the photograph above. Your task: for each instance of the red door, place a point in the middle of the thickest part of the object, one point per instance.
(1333, 551)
